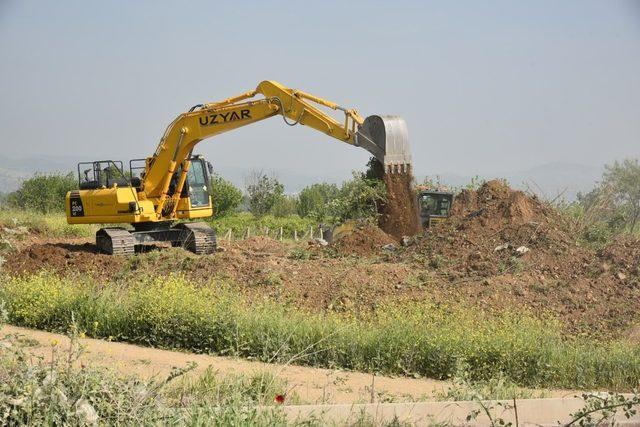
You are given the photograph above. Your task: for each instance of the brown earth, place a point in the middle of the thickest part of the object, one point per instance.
(399, 214)
(512, 250)
(62, 257)
(472, 259)
(366, 240)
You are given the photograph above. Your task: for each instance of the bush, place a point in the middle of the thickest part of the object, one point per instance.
(624, 180)
(263, 192)
(284, 206)
(413, 339)
(313, 200)
(226, 196)
(43, 193)
(358, 198)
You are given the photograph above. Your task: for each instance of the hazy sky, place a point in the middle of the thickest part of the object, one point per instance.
(485, 86)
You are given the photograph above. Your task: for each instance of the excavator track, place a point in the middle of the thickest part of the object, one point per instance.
(115, 241)
(198, 238)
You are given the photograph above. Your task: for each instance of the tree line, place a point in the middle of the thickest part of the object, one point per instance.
(610, 208)
(262, 195)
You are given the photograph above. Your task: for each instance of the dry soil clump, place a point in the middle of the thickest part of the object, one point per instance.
(367, 240)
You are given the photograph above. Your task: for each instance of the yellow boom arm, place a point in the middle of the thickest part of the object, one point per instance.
(211, 119)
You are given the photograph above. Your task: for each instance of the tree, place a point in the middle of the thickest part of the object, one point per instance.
(358, 198)
(43, 193)
(624, 180)
(314, 199)
(226, 196)
(285, 206)
(264, 192)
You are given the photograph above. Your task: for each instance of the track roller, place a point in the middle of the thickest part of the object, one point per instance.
(115, 241)
(197, 237)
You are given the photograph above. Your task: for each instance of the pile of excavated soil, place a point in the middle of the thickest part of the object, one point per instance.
(62, 258)
(497, 229)
(506, 249)
(367, 240)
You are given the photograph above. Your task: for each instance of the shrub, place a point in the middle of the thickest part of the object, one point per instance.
(313, 200)
(263, 192)
(43, 193)
(358, 198)
(226, 196)
(284, 206)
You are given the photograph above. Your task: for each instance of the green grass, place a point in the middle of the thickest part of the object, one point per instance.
(416, 340)
(50, 225)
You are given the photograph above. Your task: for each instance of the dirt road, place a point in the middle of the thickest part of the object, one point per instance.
(310, 384)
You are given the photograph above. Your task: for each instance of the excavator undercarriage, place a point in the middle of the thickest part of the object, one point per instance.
(196, 237)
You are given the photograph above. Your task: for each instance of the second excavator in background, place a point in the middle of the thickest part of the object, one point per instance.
(173, 183)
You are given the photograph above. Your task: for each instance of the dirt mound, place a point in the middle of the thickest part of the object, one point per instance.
(495, 227)
(63, 257)
(505, 249)
(623, 254)
(365, 241)
(495, 202)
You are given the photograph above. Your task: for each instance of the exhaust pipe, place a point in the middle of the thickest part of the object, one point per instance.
(386, 137)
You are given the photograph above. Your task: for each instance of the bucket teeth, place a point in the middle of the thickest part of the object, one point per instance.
(386, 137)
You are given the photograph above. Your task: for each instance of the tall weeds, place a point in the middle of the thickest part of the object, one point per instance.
(417, 340)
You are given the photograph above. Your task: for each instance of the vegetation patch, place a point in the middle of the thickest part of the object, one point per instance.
(18, 224)
(415, 340)
(60, 391)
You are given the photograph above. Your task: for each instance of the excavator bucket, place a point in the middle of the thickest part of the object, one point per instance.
(386, 137)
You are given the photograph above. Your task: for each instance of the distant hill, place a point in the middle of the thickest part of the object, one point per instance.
(13, 170)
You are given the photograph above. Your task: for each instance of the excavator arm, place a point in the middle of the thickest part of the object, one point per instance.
(379, 135)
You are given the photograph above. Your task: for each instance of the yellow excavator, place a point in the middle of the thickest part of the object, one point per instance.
(173, 184)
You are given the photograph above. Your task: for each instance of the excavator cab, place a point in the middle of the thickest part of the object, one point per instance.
(101, 174)
(196, 186)
(435, 206)
(198, 182)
